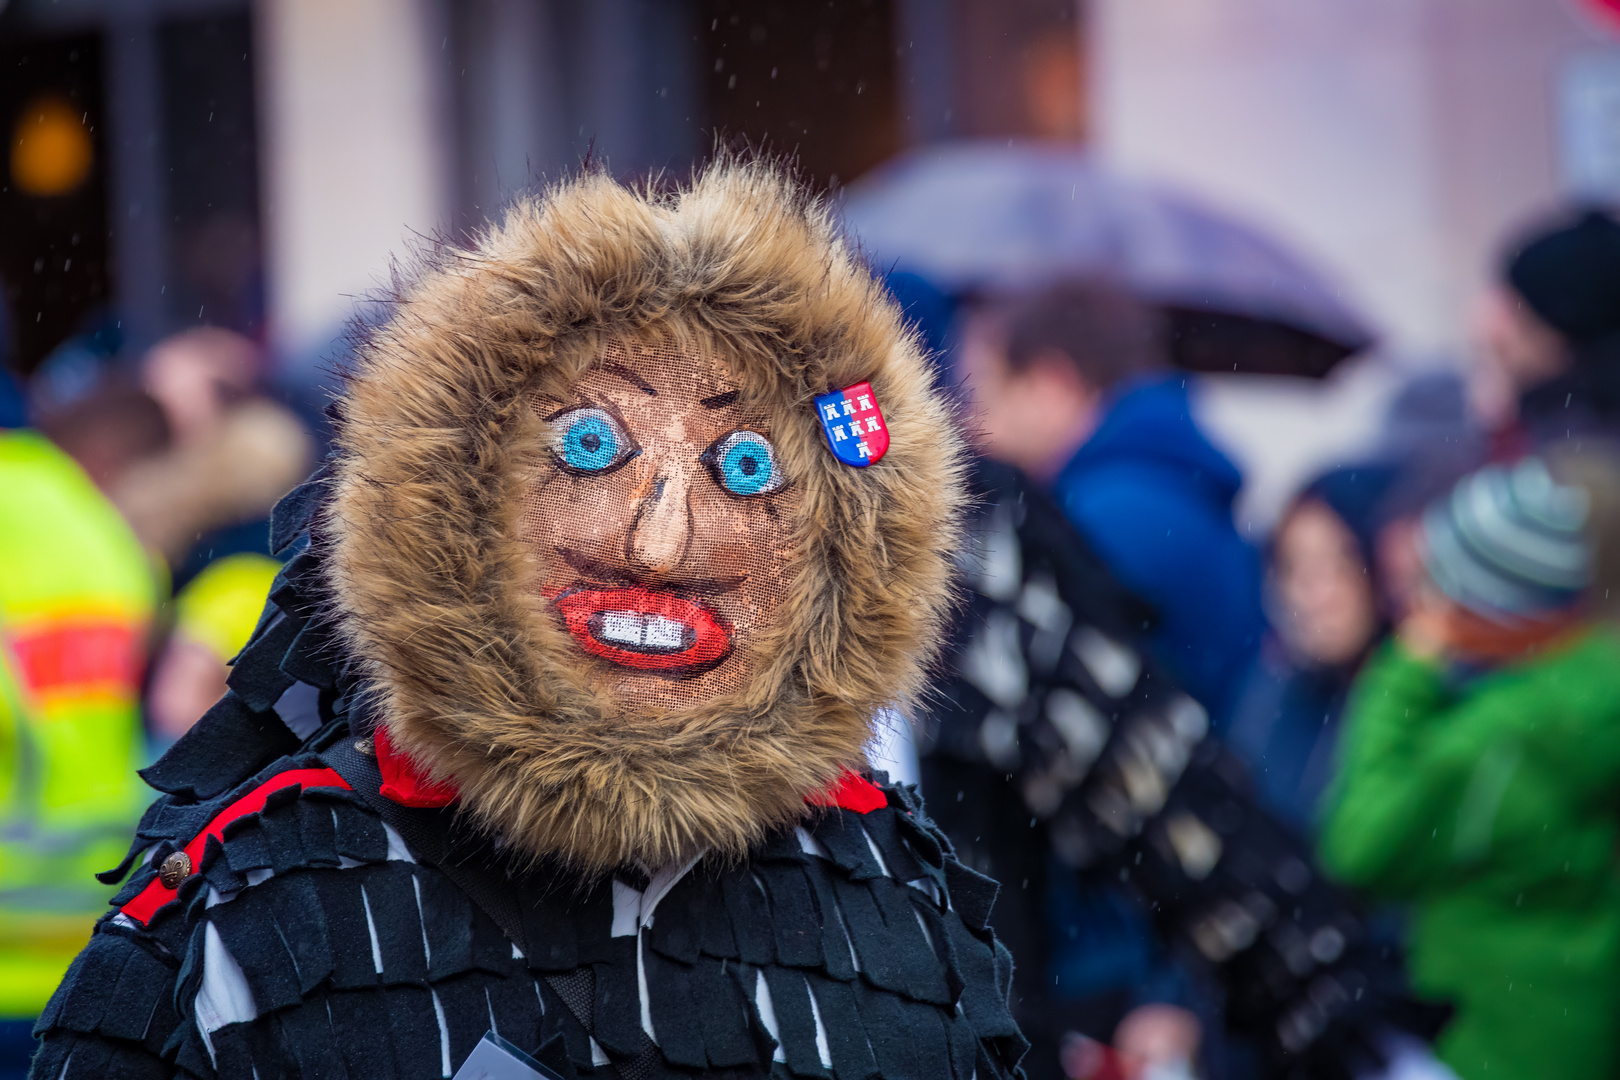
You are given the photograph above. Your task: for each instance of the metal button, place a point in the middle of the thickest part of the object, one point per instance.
(175, 869)
(365, 747)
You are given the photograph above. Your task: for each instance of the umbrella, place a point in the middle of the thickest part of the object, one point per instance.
(987, 218)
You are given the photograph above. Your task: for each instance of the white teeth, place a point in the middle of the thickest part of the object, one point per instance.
(662, 633)
(634, 630)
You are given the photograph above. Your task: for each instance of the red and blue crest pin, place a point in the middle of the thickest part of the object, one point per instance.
(853, 424)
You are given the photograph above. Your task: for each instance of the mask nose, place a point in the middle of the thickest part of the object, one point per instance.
(661, 531)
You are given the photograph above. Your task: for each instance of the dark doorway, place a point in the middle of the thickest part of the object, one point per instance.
(813, 80)
(213, 176)
(53, 201)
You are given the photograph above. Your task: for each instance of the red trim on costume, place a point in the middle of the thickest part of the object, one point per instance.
(853, 792)
(155, 895)
(401, 782)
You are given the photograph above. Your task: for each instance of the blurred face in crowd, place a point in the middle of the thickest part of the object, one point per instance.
(1327, 610)
(1034, 418)
(197, 376)
(1516, 351)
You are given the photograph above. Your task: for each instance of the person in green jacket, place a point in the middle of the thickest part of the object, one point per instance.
(1480, 781)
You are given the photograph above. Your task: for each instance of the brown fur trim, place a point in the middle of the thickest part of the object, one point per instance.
(475, 679)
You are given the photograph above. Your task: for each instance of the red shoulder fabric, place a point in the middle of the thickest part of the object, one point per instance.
(155, 895)
(853, 792)
(401, 782)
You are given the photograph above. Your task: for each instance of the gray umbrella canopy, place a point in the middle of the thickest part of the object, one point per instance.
(984, 217)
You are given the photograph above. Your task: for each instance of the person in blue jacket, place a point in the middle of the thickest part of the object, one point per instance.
(1070, 386)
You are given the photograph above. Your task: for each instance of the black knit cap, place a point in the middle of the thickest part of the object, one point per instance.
(1570, 276)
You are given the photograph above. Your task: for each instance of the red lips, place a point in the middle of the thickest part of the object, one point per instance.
(646, 629)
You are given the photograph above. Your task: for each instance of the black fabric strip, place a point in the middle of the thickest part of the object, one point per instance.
(258, 682)
(143, 983)
(311, 658)
(883, 827)
(930, 1048)
(316, 829)
(145, 832)
(921, 971)
(466, 1014)
(944, 946)
(869, 934)
(846, 1031)
(888, 1032)
(357, 835)
(750, 916)
(927, 842)
(245, 845)
(305, 1036)
(723, 1013)
(673, 1005)
(574, 992)
(616, 1010)
(793, 914)
(353, 965)
(292, 514)
(972, 894)
(413, 1026)
(840, 833)
(676, 932)
(962, 1046)
(391, 894)
(233, 1050)
(90, 996)
(514, 1005)
(301, 921)
(795, 1022)
(982, 1000)
(229, 744)
(837, 954)
(358, 1019)
(259, 948)
(447, 915)
(714, 929)
(92, 1060)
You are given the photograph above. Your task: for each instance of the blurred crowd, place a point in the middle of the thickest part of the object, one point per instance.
(1418, 670)
(134, 503)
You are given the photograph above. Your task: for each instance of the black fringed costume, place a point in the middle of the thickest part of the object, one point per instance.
(1070, 747)
(365, 958)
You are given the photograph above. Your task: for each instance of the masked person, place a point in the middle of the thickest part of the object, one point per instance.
(555, 730)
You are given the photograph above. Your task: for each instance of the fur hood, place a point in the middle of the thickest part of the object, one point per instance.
(469, 669)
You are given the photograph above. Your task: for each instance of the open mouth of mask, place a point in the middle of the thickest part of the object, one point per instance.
(646, 629)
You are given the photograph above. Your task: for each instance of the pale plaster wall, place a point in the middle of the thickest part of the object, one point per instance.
(1394, 142)
(354, 151)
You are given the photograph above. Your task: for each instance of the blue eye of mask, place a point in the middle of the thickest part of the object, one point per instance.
(744, 463)
(589, 440)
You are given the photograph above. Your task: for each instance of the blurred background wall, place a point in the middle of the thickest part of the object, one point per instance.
(258, 165)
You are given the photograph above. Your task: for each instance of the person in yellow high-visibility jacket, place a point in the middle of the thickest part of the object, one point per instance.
(77, 594)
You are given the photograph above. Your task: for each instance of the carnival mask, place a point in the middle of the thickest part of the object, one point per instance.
(662, 517)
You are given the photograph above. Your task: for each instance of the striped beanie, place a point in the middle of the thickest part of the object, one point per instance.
(1508, 543)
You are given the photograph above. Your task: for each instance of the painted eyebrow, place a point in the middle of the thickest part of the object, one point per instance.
(630, 377)
(720, 401)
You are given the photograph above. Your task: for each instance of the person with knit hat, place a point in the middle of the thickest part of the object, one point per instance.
(1478, 768)
(1550, 335)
